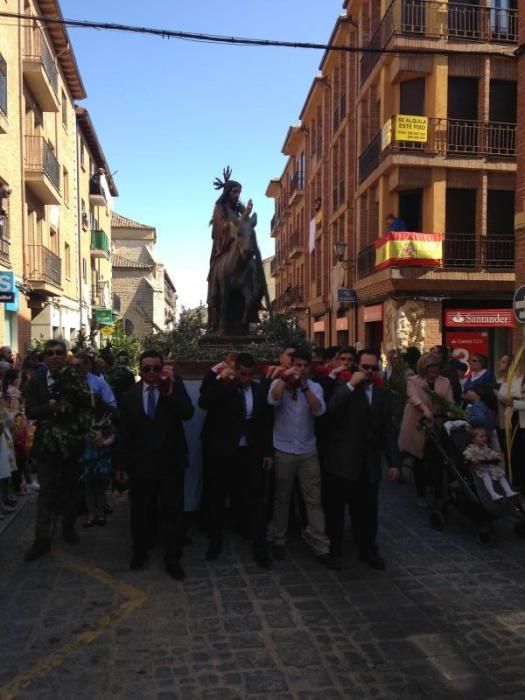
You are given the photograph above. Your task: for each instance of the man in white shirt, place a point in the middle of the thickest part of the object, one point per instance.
(297, 401)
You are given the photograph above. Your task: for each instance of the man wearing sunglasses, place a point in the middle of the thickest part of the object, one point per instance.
(155, 454)
(362, 432)
(40, 407)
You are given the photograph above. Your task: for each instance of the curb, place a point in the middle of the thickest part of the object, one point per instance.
(10, 519)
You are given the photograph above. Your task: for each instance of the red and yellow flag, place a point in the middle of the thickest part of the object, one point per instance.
(405, 248)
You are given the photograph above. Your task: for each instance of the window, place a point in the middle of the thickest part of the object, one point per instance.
(64, 110)
(53, 241)
(67, 260)
(82, 155)
(65, 185)
(3, 85)
(84, 218)
(84, 270)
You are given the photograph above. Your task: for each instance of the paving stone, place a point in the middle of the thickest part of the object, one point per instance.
(445, 620)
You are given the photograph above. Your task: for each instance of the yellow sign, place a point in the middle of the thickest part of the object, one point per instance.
(411, 128)
(106, 331)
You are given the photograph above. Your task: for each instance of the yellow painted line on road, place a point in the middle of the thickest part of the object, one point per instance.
(135, 598)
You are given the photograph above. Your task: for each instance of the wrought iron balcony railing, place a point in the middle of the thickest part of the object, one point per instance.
(39, 156)
(465, 251)
(445, 137)
(434, 19)
(43, 265)
(36, 49)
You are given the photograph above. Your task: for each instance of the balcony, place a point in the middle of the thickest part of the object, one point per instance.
(292, 298)
(446, 138)
(44, 269)
(100, 246)
(274, 265)
(461, 251)
(40, 71)
(274, 223)
(99, 194)
(296, 187)
(41, 170)
(295, 245)
(4, 249)
(436, 20)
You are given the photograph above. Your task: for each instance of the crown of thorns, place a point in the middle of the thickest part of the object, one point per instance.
(226, 174)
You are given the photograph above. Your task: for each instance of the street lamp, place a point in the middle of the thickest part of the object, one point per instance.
(339, 252)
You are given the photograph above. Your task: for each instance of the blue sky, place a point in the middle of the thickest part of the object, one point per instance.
(171, 114)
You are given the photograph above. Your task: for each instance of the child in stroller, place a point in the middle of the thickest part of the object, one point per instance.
(487, 464)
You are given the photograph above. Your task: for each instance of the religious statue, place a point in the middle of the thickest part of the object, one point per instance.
(236, 283)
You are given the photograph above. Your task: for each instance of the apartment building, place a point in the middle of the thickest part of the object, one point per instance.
(96, 190)
(143, 294)
(50, 158)
(429, 136)
(314, 201)
(519, 335)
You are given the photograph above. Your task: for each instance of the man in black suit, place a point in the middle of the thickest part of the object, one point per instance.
(362, 430)
(154, 452)
(240, 453)
(59, 489)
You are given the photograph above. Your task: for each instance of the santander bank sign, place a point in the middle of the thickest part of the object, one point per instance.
(479, 318)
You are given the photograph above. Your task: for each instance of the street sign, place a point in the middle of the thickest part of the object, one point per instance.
(7, 287)
(106, 331)
(345, 295)
(518, 304)
(104, 316)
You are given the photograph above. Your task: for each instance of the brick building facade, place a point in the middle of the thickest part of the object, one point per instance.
(519, 336)
(454, 183)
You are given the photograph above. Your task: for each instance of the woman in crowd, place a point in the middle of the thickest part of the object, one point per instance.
(448, 370)
(421, 404)
(512, 398)
(479, 372)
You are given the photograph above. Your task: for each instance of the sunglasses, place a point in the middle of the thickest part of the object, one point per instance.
(373, 368)
(57, 353)
(151, 368)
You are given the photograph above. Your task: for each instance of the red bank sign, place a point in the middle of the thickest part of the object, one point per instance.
(479, 318)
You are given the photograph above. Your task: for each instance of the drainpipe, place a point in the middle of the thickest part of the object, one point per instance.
(78, 225)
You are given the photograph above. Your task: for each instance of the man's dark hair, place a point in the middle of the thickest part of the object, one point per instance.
(53, 343)
(347, 350)
(412, 355)
(483, 359)
(85, 357)
(486, 395)
(244, 359)
(330, 353)
(285, 346)
(367, 351)
(301, 354)
(156, 354)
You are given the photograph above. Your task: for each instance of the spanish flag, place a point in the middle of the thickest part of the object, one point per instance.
(404, 248)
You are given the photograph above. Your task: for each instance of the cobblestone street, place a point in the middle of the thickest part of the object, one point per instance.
(446, 620)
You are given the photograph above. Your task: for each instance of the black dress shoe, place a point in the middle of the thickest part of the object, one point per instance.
(373, 559)
(329, 561)
(101, 520)
(137, 562)
(214, 549)
(37, 550)
(279, 552)
(108, 510)
(69, 535)
(176, 571)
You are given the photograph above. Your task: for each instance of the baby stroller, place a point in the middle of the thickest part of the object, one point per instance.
(462, 489)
